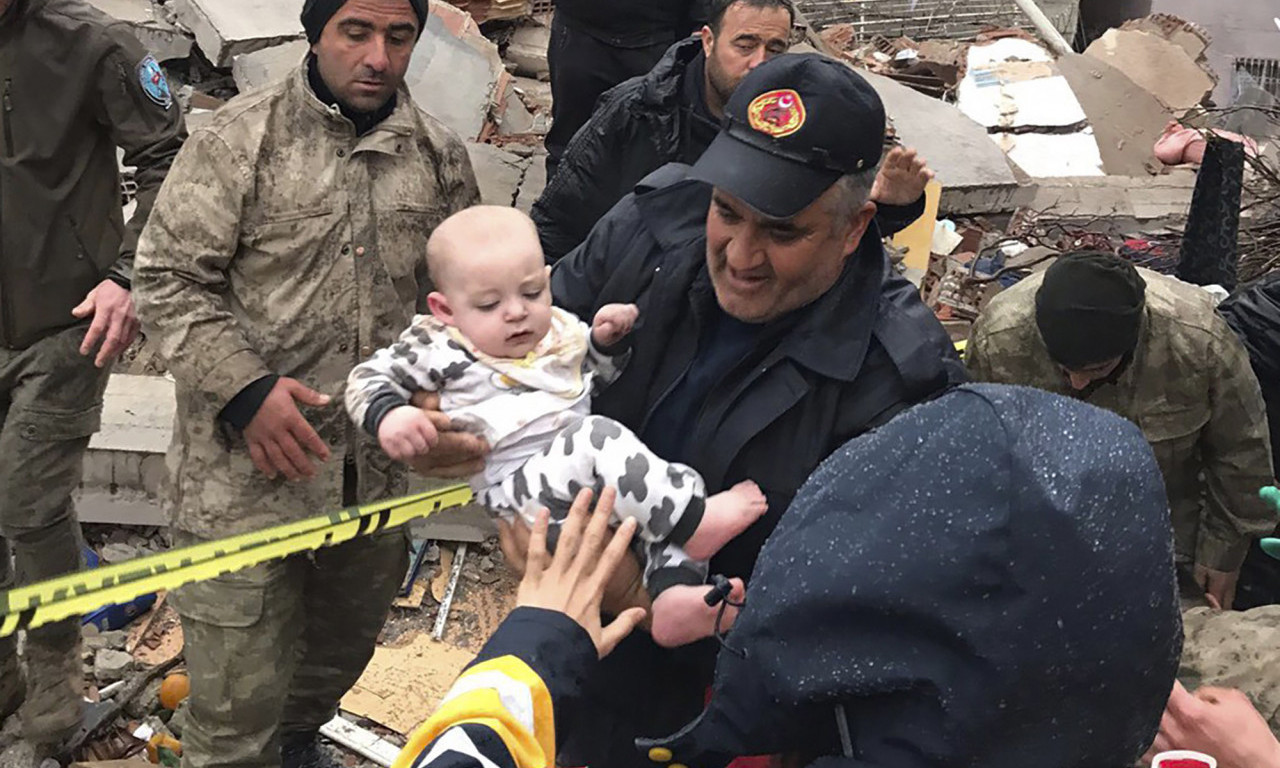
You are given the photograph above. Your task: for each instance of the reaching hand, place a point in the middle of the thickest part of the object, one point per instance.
(1219, 585)
(406, 432)
(573, 580)
(613, 322)
(114, 322)
(279, 436)
(1220, 723)
(902, 178)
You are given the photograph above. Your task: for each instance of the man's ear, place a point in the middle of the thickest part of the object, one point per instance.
(708, 40)
(858, 227)
(439, 306)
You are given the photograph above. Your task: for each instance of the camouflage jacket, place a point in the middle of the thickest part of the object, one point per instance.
(283, 243)
(1190, 389)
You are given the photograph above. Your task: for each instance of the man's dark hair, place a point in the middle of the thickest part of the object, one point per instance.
(719, 7)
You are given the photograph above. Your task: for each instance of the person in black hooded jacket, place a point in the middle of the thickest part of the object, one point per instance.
(672, 114)
(596, 44)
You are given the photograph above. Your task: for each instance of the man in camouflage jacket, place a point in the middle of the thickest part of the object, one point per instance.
(75, 85)
(1153, 350)
(288, 246)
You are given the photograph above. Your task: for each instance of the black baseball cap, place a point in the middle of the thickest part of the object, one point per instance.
(794, 126)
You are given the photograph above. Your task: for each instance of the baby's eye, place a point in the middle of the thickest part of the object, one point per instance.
(533, 294)
(487, 307)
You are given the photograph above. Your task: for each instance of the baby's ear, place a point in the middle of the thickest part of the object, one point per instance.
(439, 306)
(548, 268)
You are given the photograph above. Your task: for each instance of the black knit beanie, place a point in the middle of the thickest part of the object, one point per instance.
(1089, 308)
(316, 14)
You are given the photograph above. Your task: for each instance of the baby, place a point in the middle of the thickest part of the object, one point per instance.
(519, 372)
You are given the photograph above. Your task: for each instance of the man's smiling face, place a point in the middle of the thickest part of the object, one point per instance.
(763, 268)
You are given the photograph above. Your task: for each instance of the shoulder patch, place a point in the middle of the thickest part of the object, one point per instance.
(151, 78)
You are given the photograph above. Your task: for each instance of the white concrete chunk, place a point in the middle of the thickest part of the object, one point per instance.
(456, 74)
(269, 65)
(227, 28)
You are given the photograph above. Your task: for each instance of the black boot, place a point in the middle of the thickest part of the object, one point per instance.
(301, 749)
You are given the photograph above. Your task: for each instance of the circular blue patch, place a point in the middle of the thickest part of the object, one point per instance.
(153, 82)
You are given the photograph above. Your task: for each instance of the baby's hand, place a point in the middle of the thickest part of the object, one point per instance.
(613, 322)
(406, 432)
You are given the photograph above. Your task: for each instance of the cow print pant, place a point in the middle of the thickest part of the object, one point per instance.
(597, 452)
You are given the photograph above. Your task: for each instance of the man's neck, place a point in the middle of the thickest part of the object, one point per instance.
(714, 105)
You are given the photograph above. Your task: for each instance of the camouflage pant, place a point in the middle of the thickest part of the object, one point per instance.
(50, 403)
(272, 649)
(597, 452)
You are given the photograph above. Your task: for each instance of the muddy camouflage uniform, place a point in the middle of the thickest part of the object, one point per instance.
(74, 85)
(285, 244)
(1191, 390)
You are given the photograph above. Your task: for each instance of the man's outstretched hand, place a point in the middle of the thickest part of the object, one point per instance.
(902, 178)
(572, 581)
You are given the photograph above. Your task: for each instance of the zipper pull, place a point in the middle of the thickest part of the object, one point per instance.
(8, 104)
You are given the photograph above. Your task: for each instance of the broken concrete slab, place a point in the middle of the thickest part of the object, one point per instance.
(111, 665)
(456, 73)
(491, 10)
(259, 68)
(1127, 119)
(957, 148)
(528, 51)
(1158, 199)
(498, 173)
(535, 180)
(163, 40)
(516, 118)
(1161, 67)
(226, 28)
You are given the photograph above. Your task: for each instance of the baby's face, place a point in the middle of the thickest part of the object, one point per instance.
(501, 299)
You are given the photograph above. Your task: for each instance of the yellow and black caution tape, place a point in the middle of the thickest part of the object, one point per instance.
(79, 593)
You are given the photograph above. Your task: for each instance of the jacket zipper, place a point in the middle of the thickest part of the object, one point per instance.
(6, 323)
(8, 124)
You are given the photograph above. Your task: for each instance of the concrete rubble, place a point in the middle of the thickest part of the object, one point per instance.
(1166, 60)
(227, 28)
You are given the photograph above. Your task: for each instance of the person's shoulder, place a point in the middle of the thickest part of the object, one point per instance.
(433, 132)
(90, 34)
(243, 122)
(1184, 318)
(1013, 309)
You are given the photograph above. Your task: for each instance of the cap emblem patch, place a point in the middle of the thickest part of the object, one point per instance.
(776, 113)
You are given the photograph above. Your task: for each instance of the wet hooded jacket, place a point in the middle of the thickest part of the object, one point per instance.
(987, 580)
(1191, 390)
(75, 84)
(638, 127)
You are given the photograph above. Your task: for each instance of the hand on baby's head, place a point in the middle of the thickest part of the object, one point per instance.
(406, 432)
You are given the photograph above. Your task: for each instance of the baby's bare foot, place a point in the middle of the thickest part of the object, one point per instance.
(728, 514)
(681, 614)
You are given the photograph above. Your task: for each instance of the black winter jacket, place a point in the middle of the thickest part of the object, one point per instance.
(634, 23)
(849, 362)
(638, 127)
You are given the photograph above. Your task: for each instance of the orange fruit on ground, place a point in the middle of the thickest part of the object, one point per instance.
(173, 690)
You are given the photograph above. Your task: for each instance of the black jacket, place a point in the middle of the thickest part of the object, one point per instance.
(850, 361)
(74, 85)
(638, 127)
(634, 23)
